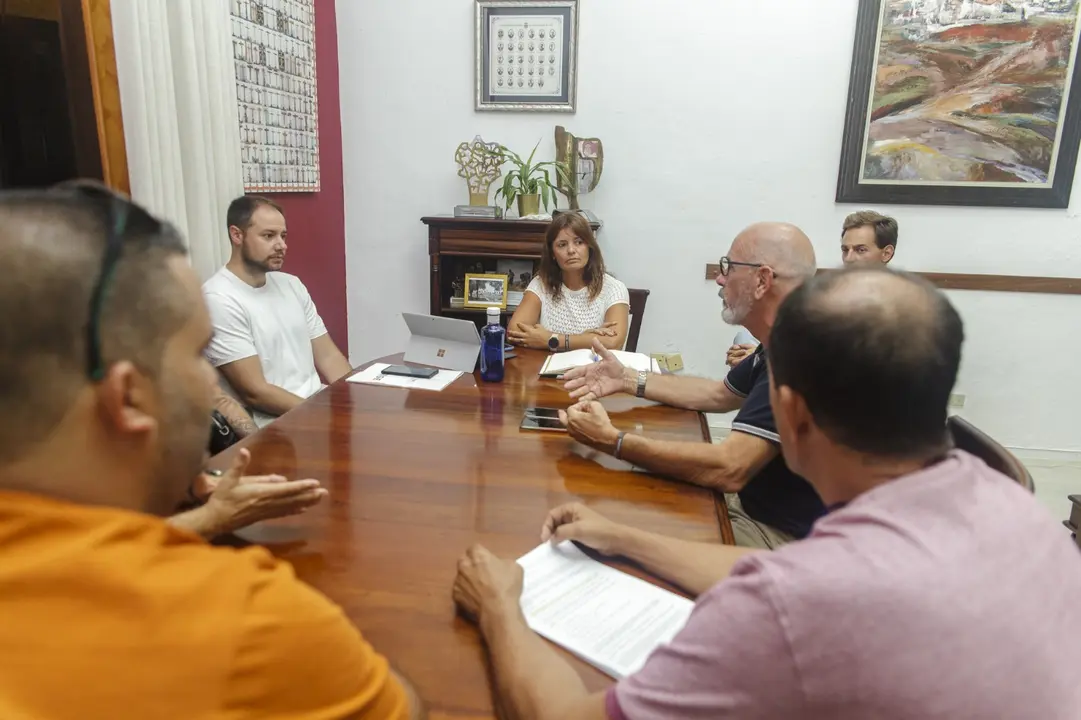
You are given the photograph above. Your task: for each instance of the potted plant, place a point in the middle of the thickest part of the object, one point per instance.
(529, 183)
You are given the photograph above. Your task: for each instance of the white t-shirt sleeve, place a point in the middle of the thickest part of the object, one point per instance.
(536, 287)
(316, 328)
(615, 293)
(233, 338)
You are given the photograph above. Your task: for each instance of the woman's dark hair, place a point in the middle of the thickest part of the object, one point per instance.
(550, 274)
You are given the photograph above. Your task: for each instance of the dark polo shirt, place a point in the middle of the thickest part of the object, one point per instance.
(775, 496)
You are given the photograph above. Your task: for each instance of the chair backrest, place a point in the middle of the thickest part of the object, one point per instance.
(971, 439)
(637, 310)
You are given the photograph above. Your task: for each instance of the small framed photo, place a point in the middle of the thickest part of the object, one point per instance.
(518, 272)
(526, 55)
(485, 291)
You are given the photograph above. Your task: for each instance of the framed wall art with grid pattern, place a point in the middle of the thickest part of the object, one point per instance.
(277, 102)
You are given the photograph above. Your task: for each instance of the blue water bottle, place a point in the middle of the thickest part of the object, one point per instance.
(492, 339)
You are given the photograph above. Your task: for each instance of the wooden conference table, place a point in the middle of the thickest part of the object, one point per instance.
(416, 477)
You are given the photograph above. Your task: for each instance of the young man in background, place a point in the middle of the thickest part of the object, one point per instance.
(868, 238)
(269, 342)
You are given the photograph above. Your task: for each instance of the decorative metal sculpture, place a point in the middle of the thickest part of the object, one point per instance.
(480, 164)
(584, 160)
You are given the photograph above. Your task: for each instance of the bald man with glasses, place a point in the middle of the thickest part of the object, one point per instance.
(767, 503)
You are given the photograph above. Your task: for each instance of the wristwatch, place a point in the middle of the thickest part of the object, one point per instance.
(553, 342)
(640, 390)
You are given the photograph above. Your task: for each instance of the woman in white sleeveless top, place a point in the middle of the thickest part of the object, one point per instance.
(572, 300)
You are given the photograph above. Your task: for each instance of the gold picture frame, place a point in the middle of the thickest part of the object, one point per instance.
(480, 291)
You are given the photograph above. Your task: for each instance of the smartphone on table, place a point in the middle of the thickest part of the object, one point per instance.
(414, 372)
(542, 419)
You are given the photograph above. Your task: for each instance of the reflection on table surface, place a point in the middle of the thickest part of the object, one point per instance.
(415, 477)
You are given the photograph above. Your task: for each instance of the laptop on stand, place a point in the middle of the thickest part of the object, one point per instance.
(446, 343)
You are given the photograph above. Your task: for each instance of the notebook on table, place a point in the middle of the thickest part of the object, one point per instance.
(559, 363)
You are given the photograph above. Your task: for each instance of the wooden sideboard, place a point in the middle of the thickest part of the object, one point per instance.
(453, 240)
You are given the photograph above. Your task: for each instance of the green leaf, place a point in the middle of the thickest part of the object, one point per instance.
(543, 187)
(526, 178)
(511, 155)
(508, 190)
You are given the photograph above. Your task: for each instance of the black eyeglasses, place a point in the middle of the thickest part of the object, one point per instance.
(116, 224)
(727, 265)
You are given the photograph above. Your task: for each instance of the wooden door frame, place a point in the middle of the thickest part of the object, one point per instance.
(97, 121)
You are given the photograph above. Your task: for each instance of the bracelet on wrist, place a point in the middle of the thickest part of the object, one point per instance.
(619, 445)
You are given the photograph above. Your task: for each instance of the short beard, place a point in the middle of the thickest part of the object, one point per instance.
(184, 438)
(254, 265)
(737, 312)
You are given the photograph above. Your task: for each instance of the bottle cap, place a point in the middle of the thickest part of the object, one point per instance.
(493, 312)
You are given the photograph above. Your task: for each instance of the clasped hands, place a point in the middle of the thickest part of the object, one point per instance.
(738, 353)
(536, 336)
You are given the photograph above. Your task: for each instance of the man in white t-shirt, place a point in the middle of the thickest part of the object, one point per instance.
(269, 342)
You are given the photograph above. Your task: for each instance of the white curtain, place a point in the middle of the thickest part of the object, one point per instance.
(178, 95)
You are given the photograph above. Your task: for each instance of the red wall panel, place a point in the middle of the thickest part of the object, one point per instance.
(316, 221)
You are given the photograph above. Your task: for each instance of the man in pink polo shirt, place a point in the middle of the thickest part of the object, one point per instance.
(935, 588)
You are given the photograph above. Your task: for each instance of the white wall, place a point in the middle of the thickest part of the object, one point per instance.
(713, 115)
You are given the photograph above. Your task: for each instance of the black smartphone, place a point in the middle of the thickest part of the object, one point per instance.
(542, 419)
(544, 413)
(414, 372)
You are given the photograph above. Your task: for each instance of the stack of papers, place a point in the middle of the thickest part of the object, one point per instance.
(559, 363)
(610, 619)
(371, 376)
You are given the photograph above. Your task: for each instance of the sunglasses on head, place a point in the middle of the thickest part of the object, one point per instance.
(119, 212)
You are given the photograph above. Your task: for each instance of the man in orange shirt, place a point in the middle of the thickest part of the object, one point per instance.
(106, 611)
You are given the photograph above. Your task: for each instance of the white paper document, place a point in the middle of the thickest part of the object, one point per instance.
(558, 363)
(372, 376)
(608, 618)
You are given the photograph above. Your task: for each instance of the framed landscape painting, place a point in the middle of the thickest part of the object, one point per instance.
(963, 102)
